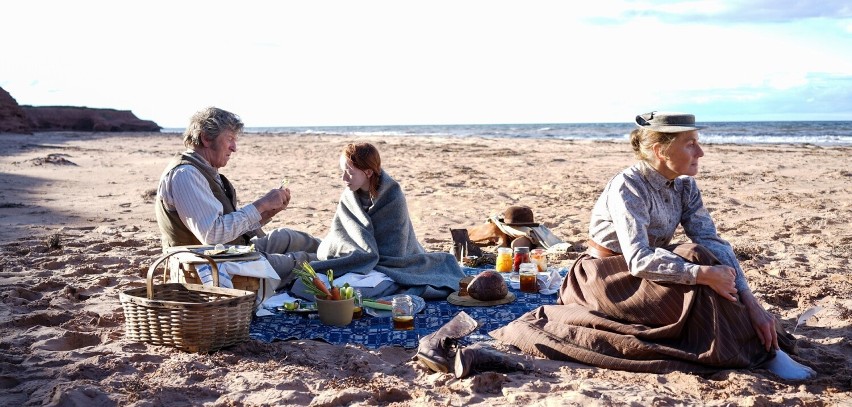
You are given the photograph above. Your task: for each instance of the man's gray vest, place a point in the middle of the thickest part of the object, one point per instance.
(173, 232)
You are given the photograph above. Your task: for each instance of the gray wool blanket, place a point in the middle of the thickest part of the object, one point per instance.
(382, 238)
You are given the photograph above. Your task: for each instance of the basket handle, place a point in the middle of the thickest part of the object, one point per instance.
(150, 278)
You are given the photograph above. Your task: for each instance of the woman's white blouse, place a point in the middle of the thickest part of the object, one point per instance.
(637, 215)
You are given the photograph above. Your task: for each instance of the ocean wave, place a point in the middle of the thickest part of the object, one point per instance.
(819, 133)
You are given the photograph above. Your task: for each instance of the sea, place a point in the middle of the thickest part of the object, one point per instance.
(824, 133)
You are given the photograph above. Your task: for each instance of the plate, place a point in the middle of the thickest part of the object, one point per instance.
(419, 305)
(229, 251)
(468, 301)
(304, 308)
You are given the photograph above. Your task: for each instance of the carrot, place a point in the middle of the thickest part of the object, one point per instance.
(335, 293)
(321, 286)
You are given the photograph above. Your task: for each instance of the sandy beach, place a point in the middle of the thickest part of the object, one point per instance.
(77, 228)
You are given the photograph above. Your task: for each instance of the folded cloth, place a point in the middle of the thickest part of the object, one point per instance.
(205, 273)
(272, 303)
(559, 248)
(540, 235)
(259, 268)
(369, 280)
(550, 282)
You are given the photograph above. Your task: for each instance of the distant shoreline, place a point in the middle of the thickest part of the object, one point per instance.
(824, 133)
(420, 137)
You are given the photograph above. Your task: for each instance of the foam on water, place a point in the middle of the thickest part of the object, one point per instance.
(817, 133)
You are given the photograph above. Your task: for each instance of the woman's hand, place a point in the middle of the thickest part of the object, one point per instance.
(762, 321)
(720, 279)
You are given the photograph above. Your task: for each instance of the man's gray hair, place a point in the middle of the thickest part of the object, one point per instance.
(210, 123)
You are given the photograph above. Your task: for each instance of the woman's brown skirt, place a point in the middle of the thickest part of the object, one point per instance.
(614, 320)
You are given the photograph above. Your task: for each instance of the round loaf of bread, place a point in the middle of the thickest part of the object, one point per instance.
(487, 286)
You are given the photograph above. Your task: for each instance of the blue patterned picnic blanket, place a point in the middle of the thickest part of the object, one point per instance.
(372, 332)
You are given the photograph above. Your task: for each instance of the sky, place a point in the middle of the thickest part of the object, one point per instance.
(330, 63)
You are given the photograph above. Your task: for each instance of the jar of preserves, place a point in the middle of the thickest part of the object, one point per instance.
(504, 260)
(522, 255)
(528, 279)
(539, 257)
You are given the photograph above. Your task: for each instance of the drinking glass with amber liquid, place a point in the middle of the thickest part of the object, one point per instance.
(403, 313)
(528, 276)
(358, 311)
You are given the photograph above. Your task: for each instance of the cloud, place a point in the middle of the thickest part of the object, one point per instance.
(818, 97)
(733, 11)
(309, 63)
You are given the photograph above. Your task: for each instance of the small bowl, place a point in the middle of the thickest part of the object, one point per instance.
(470, 261)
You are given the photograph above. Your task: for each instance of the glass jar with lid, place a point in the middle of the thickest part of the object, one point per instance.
(504, 260)
(539, 257)
(527, 277)
(522, 255)
(403, 313)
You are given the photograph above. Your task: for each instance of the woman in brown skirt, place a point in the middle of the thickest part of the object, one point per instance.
(635, 301)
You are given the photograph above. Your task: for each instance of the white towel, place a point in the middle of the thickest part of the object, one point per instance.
(272, 303)
(259, 268)
(371, 279)
(206, 274)
(551, 281)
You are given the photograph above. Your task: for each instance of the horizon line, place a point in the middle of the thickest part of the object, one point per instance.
(515, 124)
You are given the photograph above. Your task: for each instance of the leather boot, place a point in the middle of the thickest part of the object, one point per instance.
(436, 349)
(482, 358)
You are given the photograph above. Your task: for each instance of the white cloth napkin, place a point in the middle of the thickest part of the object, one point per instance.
(274, 302)
(371, 279)
(206, 275)
(559, 248)
(551, 281)
(259, 268)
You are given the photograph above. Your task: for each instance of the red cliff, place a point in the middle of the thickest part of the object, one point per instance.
(59, 118)
(13, 119)
(27, 119)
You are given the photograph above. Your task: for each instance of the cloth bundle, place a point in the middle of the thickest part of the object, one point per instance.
(538, 234)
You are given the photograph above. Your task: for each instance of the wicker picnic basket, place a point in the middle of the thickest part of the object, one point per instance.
(191, 317)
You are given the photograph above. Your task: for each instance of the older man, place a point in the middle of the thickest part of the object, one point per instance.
(197, 205)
